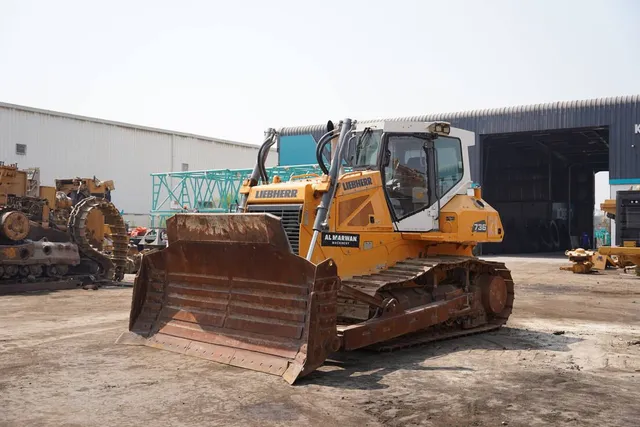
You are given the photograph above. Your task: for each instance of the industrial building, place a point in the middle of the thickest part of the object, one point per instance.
(65, 146)
(536, 163)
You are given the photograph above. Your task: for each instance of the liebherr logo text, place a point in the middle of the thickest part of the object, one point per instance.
(276, 194)
(364, 182)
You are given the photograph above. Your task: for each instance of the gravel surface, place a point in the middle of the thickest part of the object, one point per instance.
(570, 355)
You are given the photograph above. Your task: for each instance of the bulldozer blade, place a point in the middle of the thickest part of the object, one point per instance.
(228, 288)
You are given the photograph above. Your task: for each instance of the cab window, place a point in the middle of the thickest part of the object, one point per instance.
(366, 149)
(450, 170)
(405, 174)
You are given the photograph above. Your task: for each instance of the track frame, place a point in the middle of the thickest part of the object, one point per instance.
(482, 300)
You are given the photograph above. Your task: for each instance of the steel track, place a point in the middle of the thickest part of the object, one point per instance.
(111, 266)
(406, 274)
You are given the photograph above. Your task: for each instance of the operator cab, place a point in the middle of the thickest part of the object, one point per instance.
(423, 165)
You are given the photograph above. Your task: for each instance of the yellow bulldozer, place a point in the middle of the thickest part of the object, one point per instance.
(377, 252)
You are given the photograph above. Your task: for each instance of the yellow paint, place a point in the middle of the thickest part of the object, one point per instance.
(609, 206)
(10, 253)
(95, 228)
(48, 193)
(90, 185)
(12, 181)
(380, 245)
(627, 256)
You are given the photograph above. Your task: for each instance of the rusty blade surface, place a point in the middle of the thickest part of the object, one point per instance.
(247, 302)
(228, 228)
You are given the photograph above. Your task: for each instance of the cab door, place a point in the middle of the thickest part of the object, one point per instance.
(421, 175)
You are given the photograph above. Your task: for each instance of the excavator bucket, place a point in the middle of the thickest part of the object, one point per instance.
(228, 288)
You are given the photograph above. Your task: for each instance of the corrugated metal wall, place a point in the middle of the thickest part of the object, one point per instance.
(621, 114)
(63, 146)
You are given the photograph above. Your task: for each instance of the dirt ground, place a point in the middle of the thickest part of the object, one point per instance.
(569, 356)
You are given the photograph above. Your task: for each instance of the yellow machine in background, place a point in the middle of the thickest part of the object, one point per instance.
(54, 232)
(12, 181)
(627, 254)
(625, 210)
(21, 188)
(586, 261)
(99, 232)
(378, 256)
(85, 187)
(69, 191)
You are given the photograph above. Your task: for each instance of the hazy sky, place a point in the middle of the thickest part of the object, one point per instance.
(232, 69)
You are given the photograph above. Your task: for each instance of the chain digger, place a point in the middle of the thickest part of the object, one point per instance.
(376, 256)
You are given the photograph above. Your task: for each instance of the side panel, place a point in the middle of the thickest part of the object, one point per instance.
(360, 204)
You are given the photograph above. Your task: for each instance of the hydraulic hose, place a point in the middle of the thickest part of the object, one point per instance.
(326, 138)
(263, 152)
(259, 164)
(259, 172)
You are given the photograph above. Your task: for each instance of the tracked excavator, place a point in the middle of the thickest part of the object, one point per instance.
(375, 253)
(48, 236)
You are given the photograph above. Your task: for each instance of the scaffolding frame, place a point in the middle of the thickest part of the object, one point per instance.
(214, 190)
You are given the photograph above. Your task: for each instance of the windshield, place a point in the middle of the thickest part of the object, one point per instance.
(367, 147)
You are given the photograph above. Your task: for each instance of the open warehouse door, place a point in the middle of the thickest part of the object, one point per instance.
(543, 184)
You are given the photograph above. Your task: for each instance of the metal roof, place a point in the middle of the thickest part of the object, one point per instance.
(620, 115)
(124, 125)
(484, 113)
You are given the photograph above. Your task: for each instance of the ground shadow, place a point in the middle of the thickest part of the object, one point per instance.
(364, 369)
(538, 256)
(116, 286)
(46, 288)
(38, 288)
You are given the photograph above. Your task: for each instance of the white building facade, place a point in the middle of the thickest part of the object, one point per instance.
(66, 146)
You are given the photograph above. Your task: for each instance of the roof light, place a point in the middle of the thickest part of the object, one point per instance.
(440, 128)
